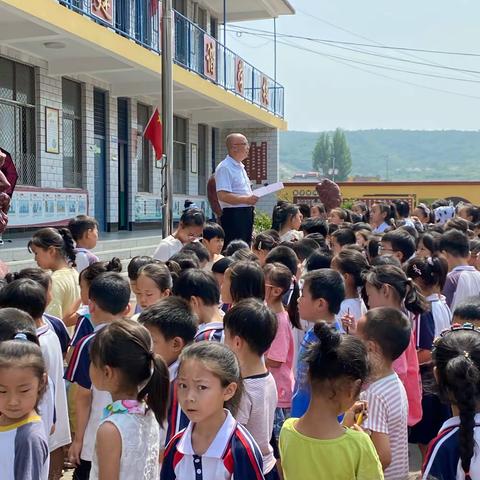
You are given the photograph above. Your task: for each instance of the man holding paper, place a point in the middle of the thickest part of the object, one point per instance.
(234, 191)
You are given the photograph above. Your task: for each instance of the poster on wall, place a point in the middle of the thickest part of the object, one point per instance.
(52, 130)
(148, 208)
(37, 207)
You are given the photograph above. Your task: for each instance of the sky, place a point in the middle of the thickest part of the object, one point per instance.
(323, 94)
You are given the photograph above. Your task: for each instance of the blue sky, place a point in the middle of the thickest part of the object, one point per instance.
(323, 94)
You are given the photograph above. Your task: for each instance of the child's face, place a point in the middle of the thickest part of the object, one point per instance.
(336, 247)
(45, 257)
(148, 292)
(309, 308)
(225, 288)
(168, 349)
(334, 218)
(19, 391)
(200, 393)
(377, 216)
(376, 296)
(90, 238)
(261, 255)
(296, 221)
(272, 293)
(214, 245)
(188, 234)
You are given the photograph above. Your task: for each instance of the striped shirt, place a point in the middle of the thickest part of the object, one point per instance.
(388, 414)
(210, 331)
(443, 457)
(462, 282)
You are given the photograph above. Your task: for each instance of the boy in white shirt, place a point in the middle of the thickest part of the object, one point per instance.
(250, 328)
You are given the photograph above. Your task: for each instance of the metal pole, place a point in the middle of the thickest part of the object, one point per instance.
(275, 64)
(225, 43)
(167, 114)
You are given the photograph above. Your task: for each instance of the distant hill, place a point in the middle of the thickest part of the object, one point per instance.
(398, 154)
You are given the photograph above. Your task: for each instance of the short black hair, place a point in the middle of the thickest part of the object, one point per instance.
(213, 230)
(327, 284)
(317, 260)
(197, 283)
(314, 225)
(198, 249)
(221, 265)
(233, 246)
(402, 207)
(79, 225)
(24, 294)
(136, 263)
(401, 241)
(246, 281)
(192, 217)
(468, 310)
(173, 317)
(111, 292)
(254, 322)
(186, 259)
(304, 248)
(455, 243)
(390, 329)
(284, 255)
(344, 236)
(13, 321)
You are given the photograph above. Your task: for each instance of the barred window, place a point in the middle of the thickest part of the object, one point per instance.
(202, 159)
(143, 150)
(72, 134)
(179, 155)
(17, 118)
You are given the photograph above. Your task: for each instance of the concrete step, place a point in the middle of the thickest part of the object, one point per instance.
(125, 249)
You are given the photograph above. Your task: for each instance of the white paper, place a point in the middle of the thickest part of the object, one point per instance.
(272, 188)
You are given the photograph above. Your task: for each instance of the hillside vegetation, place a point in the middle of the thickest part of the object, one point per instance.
(393, 154)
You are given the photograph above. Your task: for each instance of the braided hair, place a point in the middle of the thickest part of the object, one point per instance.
(59, 238)
(456, 356)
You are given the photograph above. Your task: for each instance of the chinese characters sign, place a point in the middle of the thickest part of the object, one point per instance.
(256, 163)
(210, 57)
(103, 9)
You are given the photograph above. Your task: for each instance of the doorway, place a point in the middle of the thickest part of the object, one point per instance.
(99, 127)
(123, 162)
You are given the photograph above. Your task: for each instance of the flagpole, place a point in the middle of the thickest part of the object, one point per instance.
(167, 116)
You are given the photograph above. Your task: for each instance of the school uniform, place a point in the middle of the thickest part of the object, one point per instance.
(233, 455)
(213, 331)
(176, 418)
(462, 282)
(83, 327)
(442, 461)
(60, 330)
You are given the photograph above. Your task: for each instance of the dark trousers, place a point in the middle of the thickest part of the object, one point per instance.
(238, 224)
(82, 472)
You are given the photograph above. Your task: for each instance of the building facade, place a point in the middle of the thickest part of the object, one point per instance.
(79, 80)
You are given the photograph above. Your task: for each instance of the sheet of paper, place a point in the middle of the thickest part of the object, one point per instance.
(272, 188)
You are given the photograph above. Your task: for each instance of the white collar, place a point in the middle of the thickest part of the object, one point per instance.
(455, 422)
(98, 327)
(220, 443)
(234, 162)
(173, 369)
(210, 326)
(462, 268)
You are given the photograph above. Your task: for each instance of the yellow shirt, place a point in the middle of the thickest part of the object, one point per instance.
(65, 292)
(349, 457)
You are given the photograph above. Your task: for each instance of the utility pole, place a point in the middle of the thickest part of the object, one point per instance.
(167, 114)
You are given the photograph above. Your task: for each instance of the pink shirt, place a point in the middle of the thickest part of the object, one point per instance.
(282, 350)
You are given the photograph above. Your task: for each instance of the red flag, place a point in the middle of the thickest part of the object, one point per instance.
(154, 133)
(153, 7)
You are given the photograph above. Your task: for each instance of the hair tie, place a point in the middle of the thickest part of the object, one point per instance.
(21, 336)
(466, 355)
(259, 245)
(417, 270)
(430, 261)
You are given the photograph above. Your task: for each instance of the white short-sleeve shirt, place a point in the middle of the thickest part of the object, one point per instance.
(230, 176)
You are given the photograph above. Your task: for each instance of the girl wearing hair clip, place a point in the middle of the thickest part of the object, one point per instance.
(128, 438)
(454, 453)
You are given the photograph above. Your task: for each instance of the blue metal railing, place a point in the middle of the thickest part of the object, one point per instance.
(134, 19)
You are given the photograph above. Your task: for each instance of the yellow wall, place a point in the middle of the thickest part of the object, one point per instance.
(419, 191)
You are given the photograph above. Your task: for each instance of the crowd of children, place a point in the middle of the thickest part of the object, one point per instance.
(321, 351)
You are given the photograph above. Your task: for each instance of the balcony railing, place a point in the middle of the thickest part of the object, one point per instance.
(194, 49)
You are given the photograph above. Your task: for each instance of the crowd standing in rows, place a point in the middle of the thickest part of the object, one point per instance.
(318, 349)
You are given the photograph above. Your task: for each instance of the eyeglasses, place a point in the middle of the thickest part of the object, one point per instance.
(383, 249)
(245, 144)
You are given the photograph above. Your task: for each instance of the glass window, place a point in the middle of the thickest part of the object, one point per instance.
(179, 155)
(72, 134)
(143, 150)
(179, 6)
(202, 18)
(202, 159)
(17, 118)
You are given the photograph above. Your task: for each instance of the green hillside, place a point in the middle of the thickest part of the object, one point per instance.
(406, 154)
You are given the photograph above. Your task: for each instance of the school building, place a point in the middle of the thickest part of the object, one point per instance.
(79, 80)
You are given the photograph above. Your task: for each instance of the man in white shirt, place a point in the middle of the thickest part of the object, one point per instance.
(234, 191)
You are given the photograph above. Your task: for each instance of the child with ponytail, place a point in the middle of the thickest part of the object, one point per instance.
(453, 454)
(382, 216)
(429, 275)
(128, 437)
(54, 250)
(389, 286)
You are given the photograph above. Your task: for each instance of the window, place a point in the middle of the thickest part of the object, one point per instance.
(214, 27)
(202, 159)
(179, 155)
(143, 150)
(202, 18)
(179, 6)
(17, 117)
(72, 134)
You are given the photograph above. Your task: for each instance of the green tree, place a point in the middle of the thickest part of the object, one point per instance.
(341, 157)
(321, 159)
